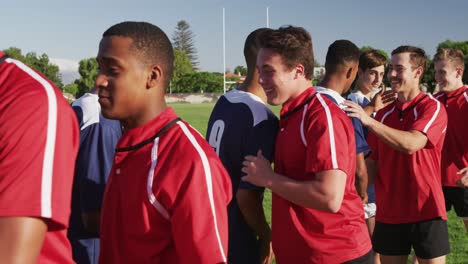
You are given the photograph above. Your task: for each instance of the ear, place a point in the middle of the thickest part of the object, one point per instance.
(155, 76)
(300, 70)
(419, 72)
(350, 73)
(459, 72)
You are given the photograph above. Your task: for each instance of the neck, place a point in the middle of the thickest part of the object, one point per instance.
(408, 96)
(459, 84)
(152, 109)
(252, 86)
(302, 85)
(333, 83)
(367, 92)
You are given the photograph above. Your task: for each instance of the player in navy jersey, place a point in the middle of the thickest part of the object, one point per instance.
(341, 68)
(240, 125)
(98, 138)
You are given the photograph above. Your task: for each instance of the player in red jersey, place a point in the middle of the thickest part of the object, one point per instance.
(317, 214)
(406, 140)
(167, 193)
(449, 67)
(38, 145)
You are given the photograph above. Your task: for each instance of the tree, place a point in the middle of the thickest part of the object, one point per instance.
(198, 82)
(71, 88)
(182, 66)
(183, 39)
(240, 70)
(461, 45)
(88, 71)
(41, 64)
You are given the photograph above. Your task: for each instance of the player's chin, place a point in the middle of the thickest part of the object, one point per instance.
(109, 113)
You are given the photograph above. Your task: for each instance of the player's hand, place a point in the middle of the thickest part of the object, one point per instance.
(266, 251)
(258, 170)
(463, 181)
(382, 99)
(355, 110)
(364, 197)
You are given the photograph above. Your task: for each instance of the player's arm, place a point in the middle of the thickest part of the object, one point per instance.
(250, 203)
(199, 222)
(325, 192)
(372, 169)
(404, 141)
(362, 178)
(21, 239)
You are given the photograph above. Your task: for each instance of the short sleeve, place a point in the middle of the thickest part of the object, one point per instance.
(330, 140)
(199, 218)
(361, 143)
(262, 136)
(432, 121)
(38, 150)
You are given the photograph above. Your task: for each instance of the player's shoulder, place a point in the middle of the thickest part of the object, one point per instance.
(430, 103)
(87, 110)
(257, 108)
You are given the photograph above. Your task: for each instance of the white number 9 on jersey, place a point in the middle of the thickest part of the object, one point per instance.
(216, 135)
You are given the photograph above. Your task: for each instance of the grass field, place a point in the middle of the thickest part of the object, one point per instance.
(197, 115)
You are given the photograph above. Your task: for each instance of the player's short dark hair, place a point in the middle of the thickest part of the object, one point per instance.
(339, 54)
(293, 44)
(252, 46)
(454, 55)
(150, 44)
(418, 56)
(370, 59)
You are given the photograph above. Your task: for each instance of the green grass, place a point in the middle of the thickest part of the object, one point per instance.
(198, 114)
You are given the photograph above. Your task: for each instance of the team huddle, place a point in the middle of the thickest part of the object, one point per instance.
(120, 178)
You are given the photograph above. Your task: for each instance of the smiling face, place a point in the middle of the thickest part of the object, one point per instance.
(277, 81)
(370, 79)
(447, 75)
(403, 76)
(121, 80)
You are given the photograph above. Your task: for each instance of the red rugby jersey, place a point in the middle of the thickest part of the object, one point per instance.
(166, 197)
(455, 150)
(408, 187)
(316, 135)
(38, 145)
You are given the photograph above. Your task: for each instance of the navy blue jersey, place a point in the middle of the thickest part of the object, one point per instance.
(98, 138)
(240, 125)
(359, 131)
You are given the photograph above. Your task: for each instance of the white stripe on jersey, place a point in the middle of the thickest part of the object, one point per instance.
(415, 113)
(434, 116)
(466, 96)
(209, 182)
(330, 130)
(304, 141)
(386, 114)
(48, 162)
(149, 184)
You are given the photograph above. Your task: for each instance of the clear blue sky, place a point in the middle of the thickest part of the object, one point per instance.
(71, 30)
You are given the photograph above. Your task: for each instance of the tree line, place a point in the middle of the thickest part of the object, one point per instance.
(186, 77)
